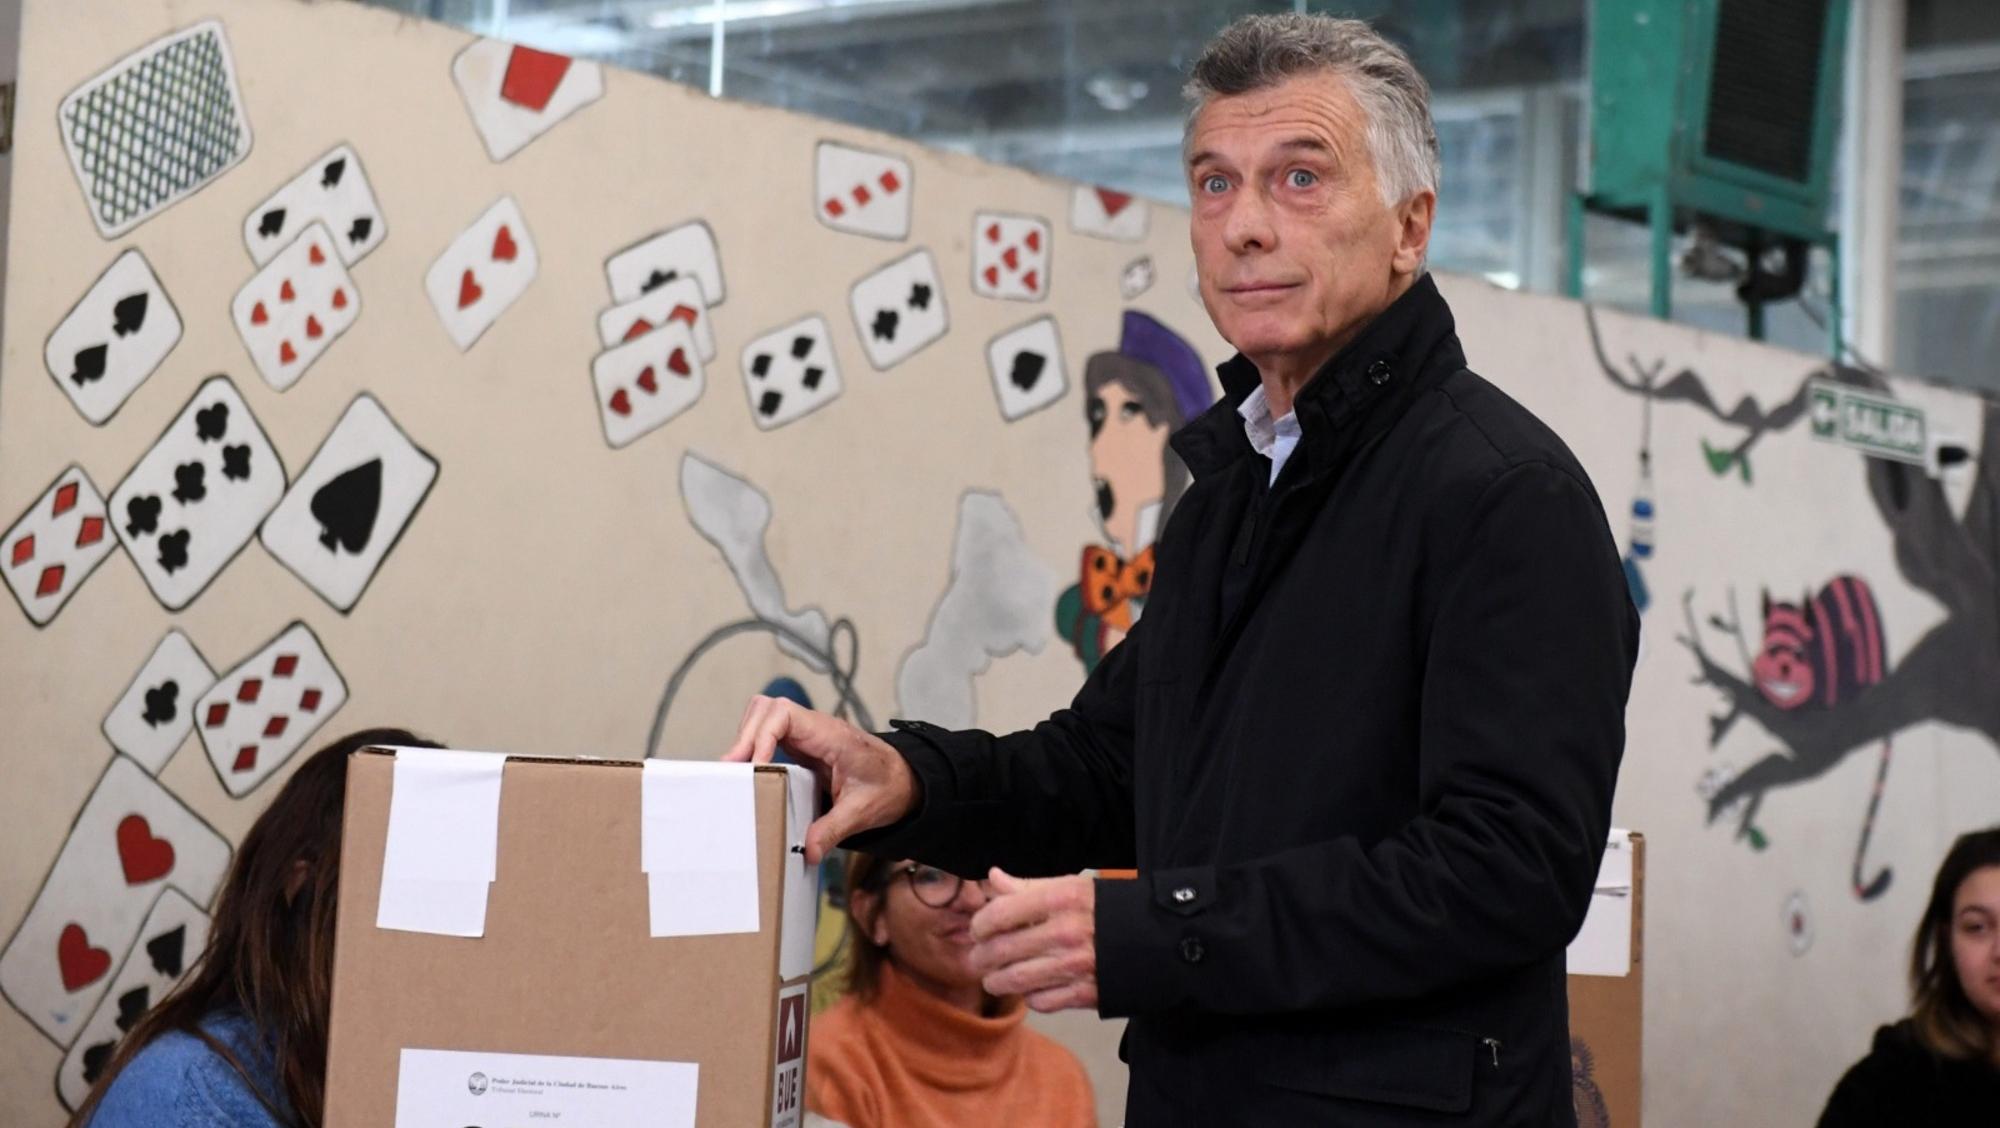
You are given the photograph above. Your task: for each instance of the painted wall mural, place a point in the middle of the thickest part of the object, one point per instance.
(377, 373)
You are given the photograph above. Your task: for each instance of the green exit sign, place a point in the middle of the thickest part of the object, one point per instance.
(1874, 425)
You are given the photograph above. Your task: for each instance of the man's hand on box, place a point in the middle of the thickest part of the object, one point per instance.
(1038, 938)
(870, 784)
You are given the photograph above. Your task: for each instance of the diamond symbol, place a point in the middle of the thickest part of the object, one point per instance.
(217, 713)
(65, 500)
(274, 727)
(90, 532)
(284, 666)
(309, 701)
(51, 581)
(24, 550)
(246, 758)
(248, 691)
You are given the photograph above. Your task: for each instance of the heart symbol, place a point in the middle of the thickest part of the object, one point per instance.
(286, 353)
(469, 291)
(993, 233)
(621, 403)
(258, 316)
(144, 857)
(992, 276)
(504, 249)
(1032, 280)
(684, 314)
(1012, 258)
(318, 259)
(640, 327)
(285, 292)
(313, 329)
(340, 299)
(81, 964)
(679, 362)
(648, 381)
(1034, 240)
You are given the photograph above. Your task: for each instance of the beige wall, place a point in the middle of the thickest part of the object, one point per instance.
(549, 585)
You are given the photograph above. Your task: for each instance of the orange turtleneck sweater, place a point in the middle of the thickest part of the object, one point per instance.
(908, 1059)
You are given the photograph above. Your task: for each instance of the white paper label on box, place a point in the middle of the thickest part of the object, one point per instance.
(455, 1088)
(1604, 945)
(698, 847)
(800, 904)
(443, 847)
(788, 1080)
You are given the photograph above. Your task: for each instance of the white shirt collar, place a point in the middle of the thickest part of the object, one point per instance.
(1275, 439)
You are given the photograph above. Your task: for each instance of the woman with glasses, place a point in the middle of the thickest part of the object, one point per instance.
(917, 1042)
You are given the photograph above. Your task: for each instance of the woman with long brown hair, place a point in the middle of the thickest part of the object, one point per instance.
(242, 1041)
(918, 1043)
(1940, 1067)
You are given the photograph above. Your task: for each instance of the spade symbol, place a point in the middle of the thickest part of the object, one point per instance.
(132, 1006)
(334, 170)
(95, 1059)
(346, 506)
(761, 366)
(885, 324)
(129, 315)
(358, 231)
(166, 951)
(768, 403)
(161, 703)
(657, 279)
(89, 365)
(272, 223)
(1027, 371)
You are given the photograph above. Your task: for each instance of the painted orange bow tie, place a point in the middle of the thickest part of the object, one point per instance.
(1110, 584)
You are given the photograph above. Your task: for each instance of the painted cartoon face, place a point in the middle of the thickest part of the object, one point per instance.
(1975, 940)
(1127, 461)
(1781, 670)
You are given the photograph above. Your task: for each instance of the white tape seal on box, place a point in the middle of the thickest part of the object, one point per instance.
(443, 848)
(800, 904)
(1604, 944)
(698, 847)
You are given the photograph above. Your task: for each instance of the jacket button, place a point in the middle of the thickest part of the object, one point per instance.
(1184, 895)
(1191, 950)
(1379, 373)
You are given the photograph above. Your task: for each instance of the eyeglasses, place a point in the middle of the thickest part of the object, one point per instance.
(932, 886)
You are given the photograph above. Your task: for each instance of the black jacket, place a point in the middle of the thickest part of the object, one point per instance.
(1902, 1083)
(1361, 748)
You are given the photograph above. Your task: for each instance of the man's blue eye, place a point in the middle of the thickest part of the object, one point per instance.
(1214, 184)
(1302, 179)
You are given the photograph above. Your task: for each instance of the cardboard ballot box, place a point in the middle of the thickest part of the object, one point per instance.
(1607, 987)
(584, 943)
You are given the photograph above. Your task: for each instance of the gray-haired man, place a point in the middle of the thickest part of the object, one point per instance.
(1362, 744)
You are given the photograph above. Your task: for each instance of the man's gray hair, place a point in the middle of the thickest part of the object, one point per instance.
(1259, 52)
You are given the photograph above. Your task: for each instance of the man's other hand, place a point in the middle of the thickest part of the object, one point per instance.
(1038, 938)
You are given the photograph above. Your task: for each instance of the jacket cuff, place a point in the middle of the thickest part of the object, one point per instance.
(1152, 951)
(921, 751)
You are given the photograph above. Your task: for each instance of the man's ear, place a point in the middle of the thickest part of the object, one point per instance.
(1413, 231)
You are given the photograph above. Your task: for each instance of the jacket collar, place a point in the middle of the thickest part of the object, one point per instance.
(1390, 353)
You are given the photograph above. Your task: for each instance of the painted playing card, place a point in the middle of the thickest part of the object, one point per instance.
(646, 381)
(1136, 278)
(196, 498)
(113, 338)
(257, 715)
(333, 190)
(58, 542)
(349, 506)
(1107, 214)
(899, 309)
(1010, 257)
(790, 372)
(485, 270)
(155, 126)
(861, 192)
(1027, 367)
(292, 310)
(516, 94)
(173, 936)
(679, 300)
(156, 712)
(679, 252)
(132, 840)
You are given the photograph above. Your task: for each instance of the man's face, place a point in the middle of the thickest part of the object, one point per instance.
(1294, 247)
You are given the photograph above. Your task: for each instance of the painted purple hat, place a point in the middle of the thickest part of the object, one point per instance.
(1144, 339)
